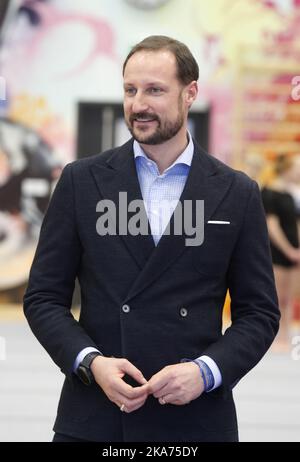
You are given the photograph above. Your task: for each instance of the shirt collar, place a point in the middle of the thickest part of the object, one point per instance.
(185, 157)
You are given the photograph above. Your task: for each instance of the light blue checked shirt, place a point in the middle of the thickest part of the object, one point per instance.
(161, 193)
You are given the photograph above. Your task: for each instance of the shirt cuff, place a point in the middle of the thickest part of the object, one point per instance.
(214, 370)
(81, 355)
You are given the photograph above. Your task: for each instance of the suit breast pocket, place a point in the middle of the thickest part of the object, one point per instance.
(212, 258)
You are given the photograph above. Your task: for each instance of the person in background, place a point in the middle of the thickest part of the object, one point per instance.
(282, 224)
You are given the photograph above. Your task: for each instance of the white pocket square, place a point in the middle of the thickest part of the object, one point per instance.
(218, 222)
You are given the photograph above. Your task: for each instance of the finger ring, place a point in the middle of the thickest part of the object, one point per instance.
(162, 400)
(122, 407)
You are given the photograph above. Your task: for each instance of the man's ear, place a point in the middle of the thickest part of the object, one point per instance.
(191, 93)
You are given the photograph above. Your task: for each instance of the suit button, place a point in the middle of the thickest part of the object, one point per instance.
(183, 312)
(125, 308)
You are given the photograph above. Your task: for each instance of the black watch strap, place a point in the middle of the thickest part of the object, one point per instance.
(84, 371)
(89, 358)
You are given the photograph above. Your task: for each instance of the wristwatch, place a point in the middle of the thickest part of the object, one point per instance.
(84, 369)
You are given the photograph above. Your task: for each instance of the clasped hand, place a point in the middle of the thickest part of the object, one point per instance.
(178, 384)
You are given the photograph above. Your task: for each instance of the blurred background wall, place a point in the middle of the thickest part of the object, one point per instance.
(61, 93)
(61, 98)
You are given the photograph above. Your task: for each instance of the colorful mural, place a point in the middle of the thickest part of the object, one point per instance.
(57, 53)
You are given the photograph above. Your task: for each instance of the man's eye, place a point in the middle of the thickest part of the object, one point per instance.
(155, 90)
(130, 91)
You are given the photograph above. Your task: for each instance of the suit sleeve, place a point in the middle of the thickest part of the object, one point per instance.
(254, 306)
(48, 298)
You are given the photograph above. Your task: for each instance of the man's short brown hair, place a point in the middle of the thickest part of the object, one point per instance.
(187, 67)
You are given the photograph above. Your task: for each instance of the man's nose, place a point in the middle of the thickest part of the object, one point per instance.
(139, 103)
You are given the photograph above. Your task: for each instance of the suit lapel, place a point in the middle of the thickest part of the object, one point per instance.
(117, 175)
(205, 182)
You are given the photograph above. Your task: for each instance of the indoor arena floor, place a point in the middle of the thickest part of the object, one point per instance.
(267, 399)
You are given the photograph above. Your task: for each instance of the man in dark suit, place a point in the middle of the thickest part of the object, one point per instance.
(147, 360)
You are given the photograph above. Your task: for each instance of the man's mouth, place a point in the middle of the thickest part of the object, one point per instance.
(143, 119)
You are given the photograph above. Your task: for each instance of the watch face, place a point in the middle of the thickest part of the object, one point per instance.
(147, 4)
(85, 375)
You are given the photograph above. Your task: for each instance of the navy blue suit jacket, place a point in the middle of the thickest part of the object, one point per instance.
(156, 282)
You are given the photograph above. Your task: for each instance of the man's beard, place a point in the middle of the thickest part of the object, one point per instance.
(164, 131)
